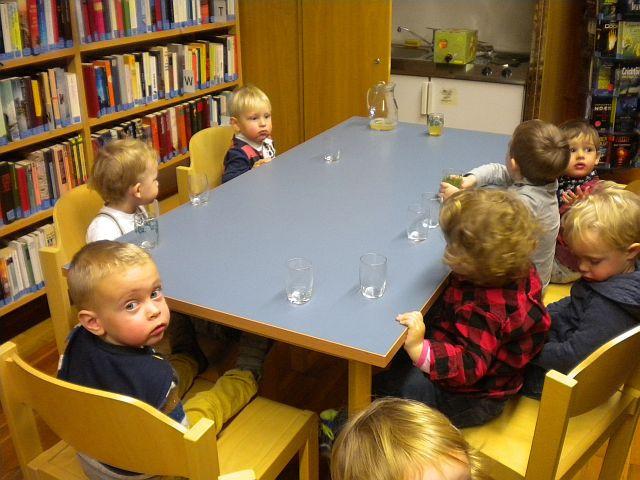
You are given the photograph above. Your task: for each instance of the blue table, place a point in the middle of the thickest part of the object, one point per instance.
(225, 261)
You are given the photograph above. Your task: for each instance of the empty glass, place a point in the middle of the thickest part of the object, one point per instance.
(435, 123)
(146, 225)
(417, 222)
(198, 188)
(432, 202)
(299, 284)
(452, 176)
(373, 275)
(331, 153)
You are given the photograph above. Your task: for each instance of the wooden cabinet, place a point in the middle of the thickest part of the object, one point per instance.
(314, 59)
(71, 59)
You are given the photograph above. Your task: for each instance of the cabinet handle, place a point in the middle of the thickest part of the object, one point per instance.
(377, 61)
(424, 97)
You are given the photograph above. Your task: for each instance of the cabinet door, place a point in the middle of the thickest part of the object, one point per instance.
(411, 95)
(481, 106)
(346, 49)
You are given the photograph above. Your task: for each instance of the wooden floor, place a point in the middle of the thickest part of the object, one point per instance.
(322, 384)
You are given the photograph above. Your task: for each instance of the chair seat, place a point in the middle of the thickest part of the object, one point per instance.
(59, 461)
(259, 434)
(506, 441)
(555, 292)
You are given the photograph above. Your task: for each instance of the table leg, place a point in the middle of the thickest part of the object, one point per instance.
(359, 386)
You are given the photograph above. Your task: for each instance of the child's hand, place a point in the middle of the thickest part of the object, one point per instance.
(571, 197)
(262, 161)
(469, 181)
(415, 333)
(446, 190)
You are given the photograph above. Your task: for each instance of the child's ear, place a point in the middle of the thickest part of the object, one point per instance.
(235, 125)
(136, 190)
(513, 166)
(89, 320)
(633, 251)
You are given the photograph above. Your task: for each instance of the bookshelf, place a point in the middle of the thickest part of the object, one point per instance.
(70, 56)
(614, 84)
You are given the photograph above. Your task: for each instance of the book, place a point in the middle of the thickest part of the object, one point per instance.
(607, 38)
(6, 194)
(40, 123)
(622, 148)
(9, 109)
(14, 24)
(34, 31)
(45, 91)
(627, 81)
(90, 90)
(63, 96)
(630, 7)
(5, 23)
(628, 40)
(25, 32)
(23, 188)
(626, 113)
(20, 107)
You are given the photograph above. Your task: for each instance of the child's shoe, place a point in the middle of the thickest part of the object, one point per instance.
(182, 338)
(252, 351)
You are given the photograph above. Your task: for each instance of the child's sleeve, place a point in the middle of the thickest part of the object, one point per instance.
(102, 228)
(492, 174)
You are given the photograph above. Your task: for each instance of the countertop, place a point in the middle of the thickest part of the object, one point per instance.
(424, 67)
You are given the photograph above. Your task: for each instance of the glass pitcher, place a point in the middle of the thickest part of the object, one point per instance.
(382, 106)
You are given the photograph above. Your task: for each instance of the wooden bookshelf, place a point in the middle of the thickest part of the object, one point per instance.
(71, 60)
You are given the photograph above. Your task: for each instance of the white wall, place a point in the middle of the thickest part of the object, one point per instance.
(506, 24)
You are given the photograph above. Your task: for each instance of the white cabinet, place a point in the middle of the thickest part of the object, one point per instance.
(470, 105)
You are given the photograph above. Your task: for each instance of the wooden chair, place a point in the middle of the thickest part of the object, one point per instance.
(130, 434)
(207, 149)
(553, 438)
(634, 186)
(72, 214)
(555, 292)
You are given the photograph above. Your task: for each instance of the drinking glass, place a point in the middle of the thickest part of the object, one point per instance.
(435, 123)
(198, 188)
(331, 153)
(146, 225)
(299, 284)
(373, 275)
(452, 176)
(432, 202)
(417, 222)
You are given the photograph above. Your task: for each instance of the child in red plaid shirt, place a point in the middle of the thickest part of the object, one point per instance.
(490, 321)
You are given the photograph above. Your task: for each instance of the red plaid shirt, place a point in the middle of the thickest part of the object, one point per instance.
(482, 338)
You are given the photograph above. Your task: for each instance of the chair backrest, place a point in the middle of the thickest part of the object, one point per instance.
(114, 429)
(207, 149)
(634, 186)
(72, 214)
(613, 367)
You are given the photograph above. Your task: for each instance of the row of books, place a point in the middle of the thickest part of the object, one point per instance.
(20, 267)
(42, 102)
(168, 131)
(618, 114)
(31, 27)
(611, 78)
(124, 81)
(34, 183)
(619, 151)
(616, 9)
(619, 39)
(110, 19)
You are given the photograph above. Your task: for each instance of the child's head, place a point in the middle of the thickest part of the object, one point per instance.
(251, 113)
(117, 289)
(398, 439)
(539, 151)
(126, 170)
(603, 232)
(490, 236)
(583, 144)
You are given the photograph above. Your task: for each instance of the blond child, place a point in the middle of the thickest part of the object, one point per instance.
(123, 315)
(396, 439)
(578, 180)
(490, 321)
(603, 231)
(252, 145)
(538, 155)
(125, 174)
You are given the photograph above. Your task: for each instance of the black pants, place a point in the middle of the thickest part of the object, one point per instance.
(406, 381)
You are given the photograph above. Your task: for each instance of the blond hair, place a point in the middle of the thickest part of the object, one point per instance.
(540, 150)
(247, 98)
(96, 261)
(394, 438)
(490, 236)
(120, 164)
(580, 128)
(610, 212)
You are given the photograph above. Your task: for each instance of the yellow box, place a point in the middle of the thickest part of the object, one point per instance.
(455, 46)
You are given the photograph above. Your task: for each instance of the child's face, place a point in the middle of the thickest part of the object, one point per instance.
(584, 157)
(255, 124)
(131, 309)
(149, 184)
(598, 261)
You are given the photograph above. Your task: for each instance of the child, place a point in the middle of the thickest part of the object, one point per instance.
(125, 174)
(396, 439)
(603, 231)
(538, 154)
(252, 145)
(123, 314)
(490, 321)
(576, 183)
